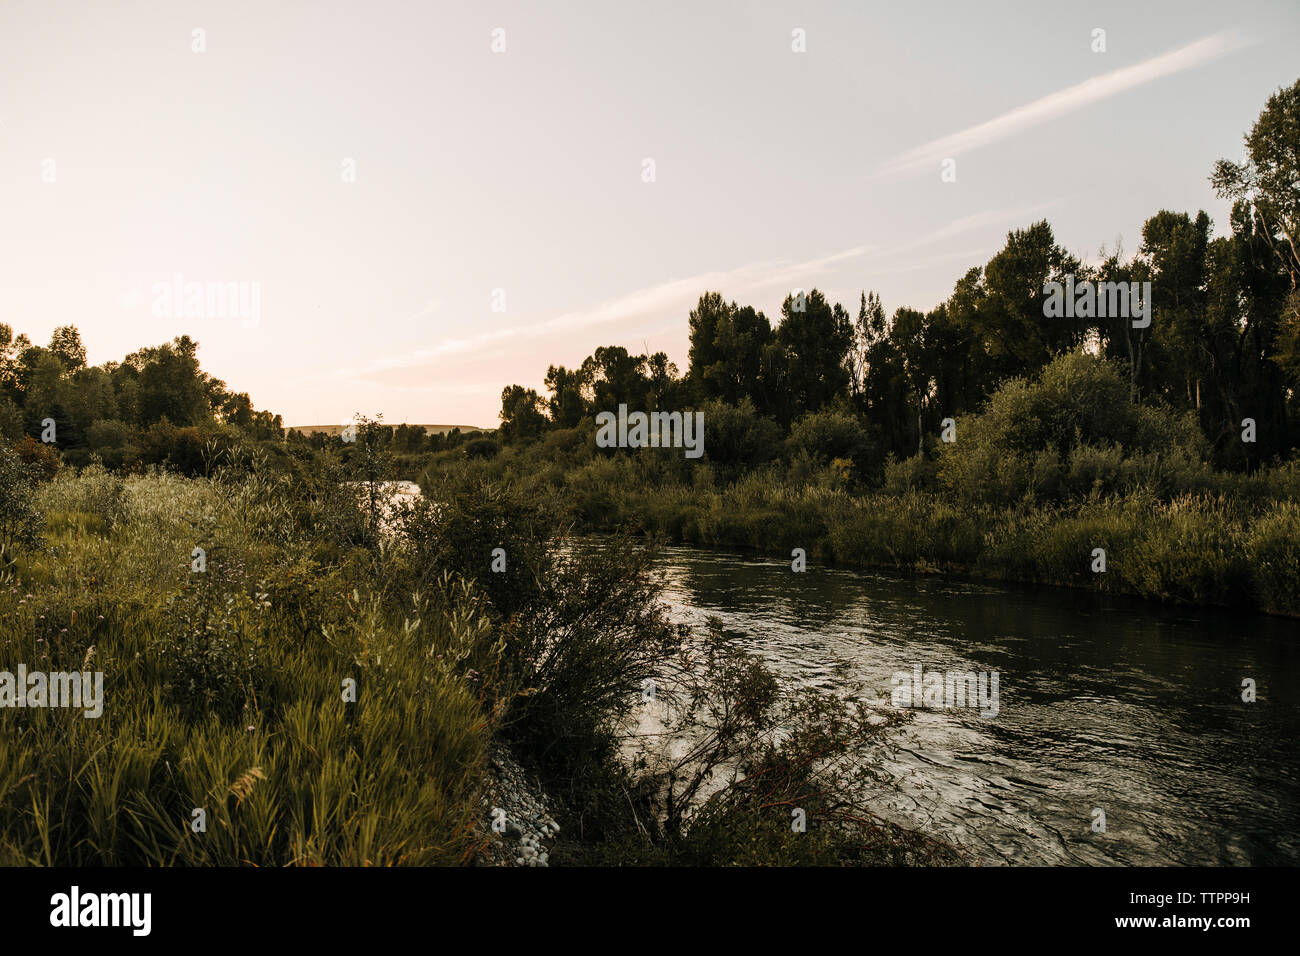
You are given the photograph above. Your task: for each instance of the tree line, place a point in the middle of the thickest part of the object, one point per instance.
(1223, 343)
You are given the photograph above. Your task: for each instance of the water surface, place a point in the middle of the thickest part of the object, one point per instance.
(1105, 703)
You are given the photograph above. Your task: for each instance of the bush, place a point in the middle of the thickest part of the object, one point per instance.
(116, 443)
(462, 532)
(482, 448)
(1273, 554)
(20, 522)
(40, 457)
(826, 435)
(737, 435)
(1071, 431)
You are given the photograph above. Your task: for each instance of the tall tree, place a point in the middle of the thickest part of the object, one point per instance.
(521, 414)
(66, 344)
(814, 338)
(1268, 184)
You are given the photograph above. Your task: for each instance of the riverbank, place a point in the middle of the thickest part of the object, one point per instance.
(1195, 548)
(1059, 479)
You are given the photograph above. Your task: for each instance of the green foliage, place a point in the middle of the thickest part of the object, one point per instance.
(20, 522)
(223, 692)
(828, 434)
(521, 415)
(461, 532)
(1071, 431)
(736, 435)
(1273, 550)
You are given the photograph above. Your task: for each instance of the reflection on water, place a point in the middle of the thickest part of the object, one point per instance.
(1124, 706)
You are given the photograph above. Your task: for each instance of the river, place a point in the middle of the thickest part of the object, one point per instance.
(1107, 704)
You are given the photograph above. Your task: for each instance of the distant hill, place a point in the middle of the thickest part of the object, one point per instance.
(428, 429)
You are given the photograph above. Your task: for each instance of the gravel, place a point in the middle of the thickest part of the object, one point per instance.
(527, 817)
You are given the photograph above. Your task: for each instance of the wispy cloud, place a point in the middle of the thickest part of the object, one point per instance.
(1018, 215)
(636, 310)
(1068, 100)
(675, 296)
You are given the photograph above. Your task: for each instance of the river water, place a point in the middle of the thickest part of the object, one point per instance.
(1107, 704)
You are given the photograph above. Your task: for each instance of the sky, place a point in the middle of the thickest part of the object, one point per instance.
(420, 219)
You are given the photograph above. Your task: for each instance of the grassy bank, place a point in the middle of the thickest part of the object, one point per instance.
(232, 733)
(223, 692)
(1195, 548)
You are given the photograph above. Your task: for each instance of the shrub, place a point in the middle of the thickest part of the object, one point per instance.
(20, 522)
(1070, 431)
(826, 435)
(737, 435)
(40, 457)
(482, 448)
(460, 533)
(1273, 553)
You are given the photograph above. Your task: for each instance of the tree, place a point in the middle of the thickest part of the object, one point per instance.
(910, 334)
(170, 384)
(568, 403)
(12, 350)
(618, 378)
(814, 338)
(1173, 259)
(704, 352)
(521, 414)
(1269, 179)
(409, 439)
(66, 344)
(1268, 185)
(870, 328)
(727, 348)
(1012, 320)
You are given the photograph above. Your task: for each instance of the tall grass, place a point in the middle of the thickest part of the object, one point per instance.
(290, 773)
(1168, 536)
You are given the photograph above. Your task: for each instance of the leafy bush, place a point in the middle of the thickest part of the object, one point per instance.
(737, 435)
(1273, 552)
(40, 457)
(20, 522)
(827, 434)
(482, 448)
(461, 533)
(1070, 431)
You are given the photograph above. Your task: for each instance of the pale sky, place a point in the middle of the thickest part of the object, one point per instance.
(523, 170)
